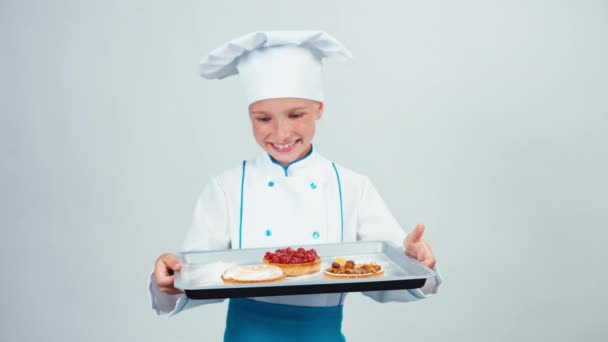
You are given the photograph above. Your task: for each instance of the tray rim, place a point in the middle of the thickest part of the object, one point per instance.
(326, 286)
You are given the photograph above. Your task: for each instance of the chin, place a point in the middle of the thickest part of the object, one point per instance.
(286, 157)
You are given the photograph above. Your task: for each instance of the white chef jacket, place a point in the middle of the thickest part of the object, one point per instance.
(262, 203)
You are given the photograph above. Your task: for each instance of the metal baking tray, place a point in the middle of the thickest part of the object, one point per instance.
(200, 277)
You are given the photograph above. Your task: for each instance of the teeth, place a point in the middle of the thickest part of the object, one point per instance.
(284, 146)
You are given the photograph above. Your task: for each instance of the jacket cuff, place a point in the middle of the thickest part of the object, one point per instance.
(164, 304)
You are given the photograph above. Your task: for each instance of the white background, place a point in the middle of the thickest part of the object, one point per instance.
(485, 120)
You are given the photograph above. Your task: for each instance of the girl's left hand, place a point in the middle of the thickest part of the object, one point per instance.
(417, 248)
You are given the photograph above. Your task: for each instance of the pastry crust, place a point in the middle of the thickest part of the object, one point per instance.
(336, 276)
(253, 274)
(234, 281)
(350, 270)
(292, 270)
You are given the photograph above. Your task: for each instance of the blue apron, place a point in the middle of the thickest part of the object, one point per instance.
(250, 320)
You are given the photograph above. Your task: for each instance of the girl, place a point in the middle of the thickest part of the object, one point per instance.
(288, 196)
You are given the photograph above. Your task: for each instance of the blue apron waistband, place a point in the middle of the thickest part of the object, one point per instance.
(251, 320)
(247, 306)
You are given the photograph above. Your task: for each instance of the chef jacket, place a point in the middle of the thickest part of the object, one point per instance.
(262, 203)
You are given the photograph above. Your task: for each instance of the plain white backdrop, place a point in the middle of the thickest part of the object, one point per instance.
(485, 120)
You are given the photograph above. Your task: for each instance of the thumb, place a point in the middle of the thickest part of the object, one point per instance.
(172, 262)
(416, 234)
(177, 267)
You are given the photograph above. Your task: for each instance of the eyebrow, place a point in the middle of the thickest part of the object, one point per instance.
(298, 108)
(289, 110)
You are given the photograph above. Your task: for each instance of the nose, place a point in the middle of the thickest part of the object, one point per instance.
(282, 130)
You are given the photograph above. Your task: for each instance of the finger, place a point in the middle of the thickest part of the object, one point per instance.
(165, 282)
(174, 268)
(167, 285)
(171, 260)
(419, 254)
(413, 251)
(172, 291)
(163, 274)
(419, 251)
(414, 239)
(429, 261)
(160, 269)
(416, 234)
(426, 257)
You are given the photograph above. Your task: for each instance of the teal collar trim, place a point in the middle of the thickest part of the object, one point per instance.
(312, 148)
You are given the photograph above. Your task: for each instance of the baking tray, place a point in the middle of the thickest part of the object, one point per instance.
(200, 277)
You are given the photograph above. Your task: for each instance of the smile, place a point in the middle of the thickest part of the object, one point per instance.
(284, 147)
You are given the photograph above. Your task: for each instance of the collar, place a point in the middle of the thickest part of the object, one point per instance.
(305, 165)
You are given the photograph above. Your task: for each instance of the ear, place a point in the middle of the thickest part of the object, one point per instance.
(320, 110)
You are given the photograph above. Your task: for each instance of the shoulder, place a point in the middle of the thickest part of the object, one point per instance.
(354, 185)
(234, 174)
(349, 175)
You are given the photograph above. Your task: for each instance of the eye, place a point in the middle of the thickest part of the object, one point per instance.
(296, 115)
(262, 119)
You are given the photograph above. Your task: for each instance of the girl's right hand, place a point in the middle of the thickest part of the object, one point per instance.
(165, 267)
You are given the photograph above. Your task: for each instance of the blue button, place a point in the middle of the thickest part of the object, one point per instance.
(271, 184)
(268, 232)
(315, 235)
(313, 185)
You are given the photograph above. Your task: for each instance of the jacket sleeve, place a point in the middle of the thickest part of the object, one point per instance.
(209, 231)
(375, 222)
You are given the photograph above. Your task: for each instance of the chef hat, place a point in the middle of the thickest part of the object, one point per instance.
(275, 64)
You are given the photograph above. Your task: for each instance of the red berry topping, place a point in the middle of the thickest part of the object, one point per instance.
(290, 256)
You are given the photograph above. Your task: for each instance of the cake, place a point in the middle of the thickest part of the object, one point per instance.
(294, 262)
(252, 274)
(347, 269)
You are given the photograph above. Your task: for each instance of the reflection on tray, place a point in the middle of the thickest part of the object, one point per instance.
(201, 276)
(205, 274)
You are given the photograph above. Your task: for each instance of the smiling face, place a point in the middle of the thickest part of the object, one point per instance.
(285, 127)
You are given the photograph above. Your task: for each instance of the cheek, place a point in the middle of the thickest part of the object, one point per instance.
(308, 130)
(259, 132)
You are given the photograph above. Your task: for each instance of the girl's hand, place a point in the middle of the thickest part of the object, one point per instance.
(165, 267)
(417, 248)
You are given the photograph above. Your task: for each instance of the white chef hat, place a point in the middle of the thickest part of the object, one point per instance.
(275, 64)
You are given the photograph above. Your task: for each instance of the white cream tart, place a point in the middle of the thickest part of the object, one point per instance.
(261, 273)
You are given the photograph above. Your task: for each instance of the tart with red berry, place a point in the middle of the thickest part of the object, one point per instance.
(294, 262)
(348, 269)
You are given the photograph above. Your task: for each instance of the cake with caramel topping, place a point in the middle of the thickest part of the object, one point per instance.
(348, 269)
